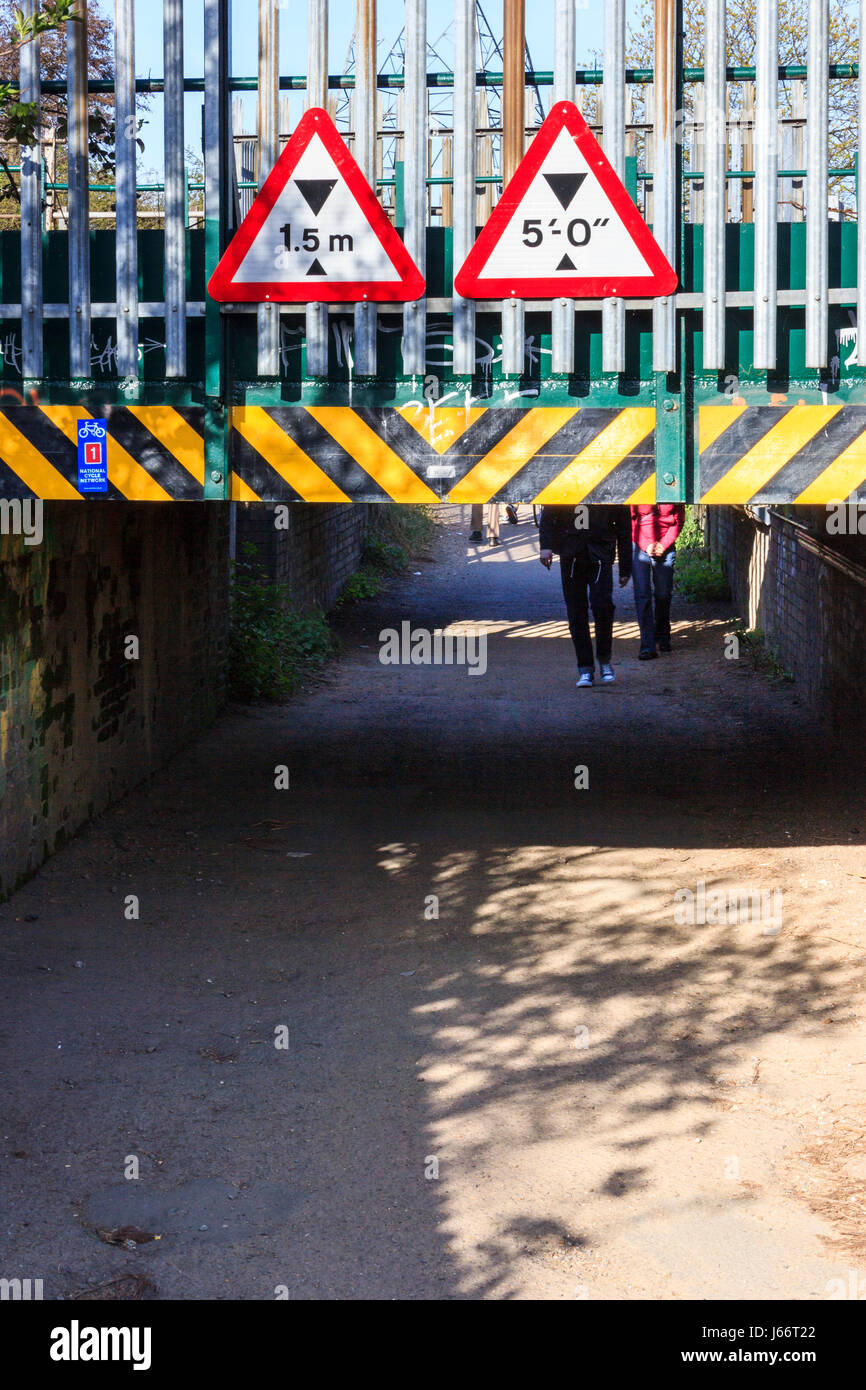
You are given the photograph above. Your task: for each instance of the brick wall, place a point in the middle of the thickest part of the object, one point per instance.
(312, 547)
(806, 591)
(80, 723)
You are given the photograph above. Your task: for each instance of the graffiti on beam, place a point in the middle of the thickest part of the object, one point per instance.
(438, 351)
(103, 357)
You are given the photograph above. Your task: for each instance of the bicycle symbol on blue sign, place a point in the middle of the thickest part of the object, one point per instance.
(92, 456)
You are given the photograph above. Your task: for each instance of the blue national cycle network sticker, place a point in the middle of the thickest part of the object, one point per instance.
(92, 455)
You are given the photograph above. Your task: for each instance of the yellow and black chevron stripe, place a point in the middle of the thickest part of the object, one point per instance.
(799, 453)
(412, 454)
(155, 453)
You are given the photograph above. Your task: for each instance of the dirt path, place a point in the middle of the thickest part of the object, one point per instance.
(620, 1104)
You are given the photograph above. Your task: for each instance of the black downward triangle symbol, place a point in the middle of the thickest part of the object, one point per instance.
(315, 192)
(565, 186)
(317, 268)
(566, 263)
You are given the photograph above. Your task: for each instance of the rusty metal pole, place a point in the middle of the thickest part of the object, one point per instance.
(513, 125)
(513, 86)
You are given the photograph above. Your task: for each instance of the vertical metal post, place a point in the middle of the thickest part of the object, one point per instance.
(217, 190)
(79, 197)
(861, 193)
(464, 177)
(665, 174)
(317, 95)
(649, 139)
(176, 214)
(415, 178)
(268, 133)
(31, 218)
(564, 64)
(766, 184)
(365, 154)
(715, 159)
(613, 310)
(817, 184)
(126, 216)
(674, 436)
(513, 88)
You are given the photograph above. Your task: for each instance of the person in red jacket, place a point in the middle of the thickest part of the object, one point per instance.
(654, 530)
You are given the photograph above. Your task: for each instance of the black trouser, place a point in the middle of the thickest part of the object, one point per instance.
(596, 577)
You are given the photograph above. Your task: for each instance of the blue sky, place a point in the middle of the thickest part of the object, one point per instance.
(293, 38)
(293, 30)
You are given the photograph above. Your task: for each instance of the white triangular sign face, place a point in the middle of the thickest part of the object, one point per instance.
(566, 210)
(565, 225)
(316, 232)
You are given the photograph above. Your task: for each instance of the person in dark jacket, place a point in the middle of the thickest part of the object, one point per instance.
(587, 541)
(654, 532)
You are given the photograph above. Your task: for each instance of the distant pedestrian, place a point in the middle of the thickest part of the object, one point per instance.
(476, 522)
(654, 532)
(587, 541)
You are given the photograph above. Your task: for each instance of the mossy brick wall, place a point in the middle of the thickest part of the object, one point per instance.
(314, 554)
(812, 612)
(80, 723)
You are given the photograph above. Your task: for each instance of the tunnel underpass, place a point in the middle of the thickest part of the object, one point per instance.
(542, 1039)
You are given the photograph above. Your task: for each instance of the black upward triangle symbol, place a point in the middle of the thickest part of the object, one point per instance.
(317, 268)
(565, 186)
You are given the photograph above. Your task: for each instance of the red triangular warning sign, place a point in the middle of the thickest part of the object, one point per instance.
(316, 232)
(565, 226)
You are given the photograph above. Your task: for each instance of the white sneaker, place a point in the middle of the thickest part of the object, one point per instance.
(585, 680)
(607, 674)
